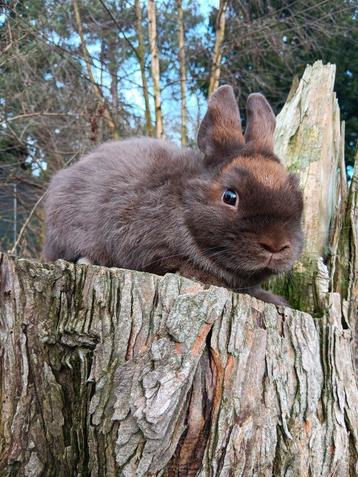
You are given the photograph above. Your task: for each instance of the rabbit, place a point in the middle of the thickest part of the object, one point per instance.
(228, 214)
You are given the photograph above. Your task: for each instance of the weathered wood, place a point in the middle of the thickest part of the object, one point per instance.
(345, 279)
(310, 141)
(352, 296)
(107, 372)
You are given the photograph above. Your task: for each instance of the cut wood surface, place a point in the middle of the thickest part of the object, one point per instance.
(108, 372)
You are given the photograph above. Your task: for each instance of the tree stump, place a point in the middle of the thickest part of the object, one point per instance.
(109, 372)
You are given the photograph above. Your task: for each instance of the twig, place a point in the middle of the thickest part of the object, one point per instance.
(27, 221)
(29, 115)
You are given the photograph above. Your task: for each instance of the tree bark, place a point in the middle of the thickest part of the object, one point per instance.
(182, 72)
(310, 139)
(152, 30)
(352, 226)
(219, 38)
(345, 277)
(108, 372)
(141, 61)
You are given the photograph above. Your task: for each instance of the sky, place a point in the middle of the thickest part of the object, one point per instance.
(131, 87)
(170, 109)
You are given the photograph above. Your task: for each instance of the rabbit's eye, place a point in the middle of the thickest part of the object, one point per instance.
(230, 197)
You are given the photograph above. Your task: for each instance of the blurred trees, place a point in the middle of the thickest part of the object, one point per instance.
(267, 43)
(182, 70)
(220, 22)
(78, 72)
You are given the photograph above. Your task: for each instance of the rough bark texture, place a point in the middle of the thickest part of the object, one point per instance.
(152, 30)
(310, 139)
(346, 278)
(107, 372)
(352, 297)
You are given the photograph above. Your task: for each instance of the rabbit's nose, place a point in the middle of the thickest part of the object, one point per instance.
(273, 246)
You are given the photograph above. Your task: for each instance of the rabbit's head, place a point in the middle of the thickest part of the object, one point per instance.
(244, 212)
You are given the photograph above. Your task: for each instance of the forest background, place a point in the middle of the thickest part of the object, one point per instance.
(74, 73)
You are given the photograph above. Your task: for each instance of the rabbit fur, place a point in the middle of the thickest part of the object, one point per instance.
(145, 204)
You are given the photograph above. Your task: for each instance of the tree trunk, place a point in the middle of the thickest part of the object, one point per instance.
(108, 372)
(182, 72)
(352, 296)
(141, 60)
(310, 139)
(219, 38)
(345, 279)
(152, 30)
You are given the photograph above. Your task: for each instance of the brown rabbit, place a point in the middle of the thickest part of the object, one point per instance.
(229, 215)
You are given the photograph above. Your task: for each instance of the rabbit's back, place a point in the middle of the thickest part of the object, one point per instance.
(229, 215)
(94, 205)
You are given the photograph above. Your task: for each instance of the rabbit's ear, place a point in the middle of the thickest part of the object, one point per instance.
(261, 122)
(220, 130)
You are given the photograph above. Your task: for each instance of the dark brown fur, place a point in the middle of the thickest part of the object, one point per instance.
(145, 204)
